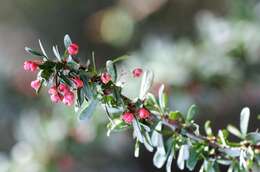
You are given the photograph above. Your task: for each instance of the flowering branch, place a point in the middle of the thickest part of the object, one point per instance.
(153, 124)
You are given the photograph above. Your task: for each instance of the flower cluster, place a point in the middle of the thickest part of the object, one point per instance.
(153, 124)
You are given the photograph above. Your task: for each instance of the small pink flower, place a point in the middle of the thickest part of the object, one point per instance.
(144, 113)
(26, 65)
(56, 98)
(68, 98)
(128, 117)
(105, 77)
(29, 65)
(78, 82)
(53, 90)
(36, 84)
(64, 88)
(137, 72)
(33, 66)
(73, 49)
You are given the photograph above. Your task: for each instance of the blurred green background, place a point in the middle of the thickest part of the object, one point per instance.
(207, 52)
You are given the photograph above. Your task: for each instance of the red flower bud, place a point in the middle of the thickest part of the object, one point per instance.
(73, 49)
(105, 77)
(128, 117)
(36, 84)
(64, 88)
(137, 72)
(144, 113)
(78, 82)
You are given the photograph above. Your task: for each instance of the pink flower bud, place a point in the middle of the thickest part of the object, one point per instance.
(78, 82)
(56, 98)
(64, 88)
(73, 49)
(144, 113)
(53, 90)
(128, 117)
(68, 98)
(36, 84)
(29, 65)
(137, 72)
(33, 66)
(105, 77)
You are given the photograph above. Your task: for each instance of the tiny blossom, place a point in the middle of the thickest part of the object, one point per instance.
(53, 90)
(144, 113)
(78, 82)
(68, 98)
(36, 84)
(56, 98)
(64, 88)
(105, 77)
(137, 72)
(73, 49)
(29, 65)
(128, 117)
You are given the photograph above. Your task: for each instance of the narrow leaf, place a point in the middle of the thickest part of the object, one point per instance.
(193, 110)
(42, 49)
(183, 155)
(36, 53)
(234, 131)
(244, 119)
(162, 98)
(67, 41)
(193, 159)
(87, 113)
(146, 83)
(137, 148)
(111, 69)
(159, 157)
(169, 161)
(137, 131)
(56, 52)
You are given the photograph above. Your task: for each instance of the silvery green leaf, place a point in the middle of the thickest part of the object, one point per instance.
(147, 142)
(244, 119)
(208, 129)
(222, 138)
(169, 161)
(111, 69)
(254, 137)
(146, 83)
(146, 128)
(233, 152)
(112, 125)
(159, 157)
(162, 98)
(36, 53)
(183, 155)
(193, 159)
(137, 131)
(137, 148)
(67, 41)
(87, 112)
(224, 162)
(193, 110)
(42, 49)
(234, 131)
(56, 52)
(242, 161)
(156, 135)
